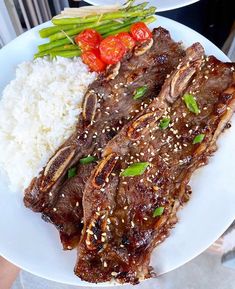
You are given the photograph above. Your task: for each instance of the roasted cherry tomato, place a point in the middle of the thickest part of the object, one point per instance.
(111, 50)
(126, 39)
(140, 31)
(92, 59)
(88, 39)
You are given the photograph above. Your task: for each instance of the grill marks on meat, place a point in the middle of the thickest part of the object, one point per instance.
(108, 105)
(120, 231)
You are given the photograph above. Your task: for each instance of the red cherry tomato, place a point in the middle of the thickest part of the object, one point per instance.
(140, 31)
(126, 39)
(111, 50)
(92, 59)
(88, 39)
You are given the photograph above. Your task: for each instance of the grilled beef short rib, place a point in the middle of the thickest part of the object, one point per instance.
(108, 105)
(120, 227)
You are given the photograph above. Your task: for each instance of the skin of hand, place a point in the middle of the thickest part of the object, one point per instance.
(8, 273)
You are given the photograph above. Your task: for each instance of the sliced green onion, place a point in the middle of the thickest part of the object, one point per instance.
(191, 103)
(158, 212)
(135, 169)
(140, 91)
(164, 123)
(87, 160)
(198, 138)
(72, 172)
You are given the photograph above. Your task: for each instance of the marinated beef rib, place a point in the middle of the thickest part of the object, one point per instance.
(108, 105)
(125, 217)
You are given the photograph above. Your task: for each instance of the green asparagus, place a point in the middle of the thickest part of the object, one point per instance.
(56, 49)
(67, 53)
(105, 16)
(126, 28)
(79, 28)
(53, 44)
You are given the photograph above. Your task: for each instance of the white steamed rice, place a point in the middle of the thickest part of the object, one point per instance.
(38, 111)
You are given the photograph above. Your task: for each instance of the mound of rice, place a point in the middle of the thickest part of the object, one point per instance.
(38, 111)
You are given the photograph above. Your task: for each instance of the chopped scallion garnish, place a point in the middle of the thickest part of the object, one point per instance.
(87, 160)
(140, 91)
(198, 138)
(191, 103)
(164, 123)
(72, 172)
(135, 169)
(158, 211)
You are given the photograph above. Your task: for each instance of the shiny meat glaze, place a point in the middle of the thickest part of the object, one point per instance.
(120, 231)
(108, 105)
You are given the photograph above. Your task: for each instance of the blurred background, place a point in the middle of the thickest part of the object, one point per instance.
(215, 19)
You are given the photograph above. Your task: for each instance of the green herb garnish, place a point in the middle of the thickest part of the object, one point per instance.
(140, 91)
(158, 212)
(87, 160)
(164, 123)
(198, 138)
(72, 172)
(191, 103)
(135, 169)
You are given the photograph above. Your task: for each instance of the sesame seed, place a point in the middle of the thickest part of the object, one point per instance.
(88, 242)
(126, 207)
(103, 239)
(50, 194)
(62, 195)
(145, 218)
(54, 209)
(132, 224)
(122, 246)
(114, 274)
(69, 247)
(77, 204)
(123, 221)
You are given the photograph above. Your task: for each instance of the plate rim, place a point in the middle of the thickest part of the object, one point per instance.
(176, 6)
(198, 251)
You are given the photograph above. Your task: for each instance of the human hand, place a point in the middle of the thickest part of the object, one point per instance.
(8, 273)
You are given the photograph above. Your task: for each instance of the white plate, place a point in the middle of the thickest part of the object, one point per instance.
(34, 245)
(162, 5)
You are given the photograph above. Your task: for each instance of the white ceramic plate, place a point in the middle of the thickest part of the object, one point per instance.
(32, 244)
(162, 5)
